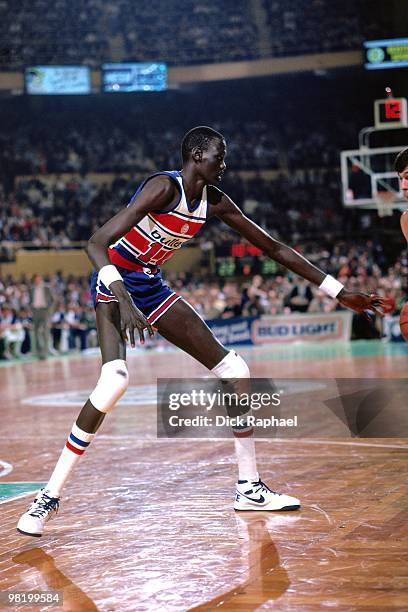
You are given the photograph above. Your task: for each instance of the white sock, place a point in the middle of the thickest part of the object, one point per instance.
(245, 452)
(77, 443)
(234, 367)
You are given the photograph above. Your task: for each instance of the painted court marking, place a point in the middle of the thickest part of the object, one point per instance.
(146, 395)
(5, 468)
(9, 491)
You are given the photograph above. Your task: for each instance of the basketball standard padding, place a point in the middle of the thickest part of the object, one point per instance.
(404, 322)
(404, 223)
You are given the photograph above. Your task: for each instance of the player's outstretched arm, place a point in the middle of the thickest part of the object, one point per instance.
(157, 194)
(225, 209)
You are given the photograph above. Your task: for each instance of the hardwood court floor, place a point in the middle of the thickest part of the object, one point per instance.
(147, 523)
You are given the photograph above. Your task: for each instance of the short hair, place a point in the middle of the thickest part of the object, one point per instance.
(401, 161)
(199, 137)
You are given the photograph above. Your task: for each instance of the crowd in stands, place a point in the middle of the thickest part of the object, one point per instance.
(190, 32)
(184, 32)
(95, 148)
(72, 318)
(57, 211)
(301, 196)
(341, 23)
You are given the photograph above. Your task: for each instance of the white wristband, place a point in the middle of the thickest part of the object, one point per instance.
(331, 286)
(108, 274)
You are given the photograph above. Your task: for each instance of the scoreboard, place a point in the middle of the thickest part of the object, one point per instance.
(130, 77)
(388, 53)
(390, 113)
(57, 80)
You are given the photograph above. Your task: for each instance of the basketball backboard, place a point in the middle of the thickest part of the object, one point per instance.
(368, 172)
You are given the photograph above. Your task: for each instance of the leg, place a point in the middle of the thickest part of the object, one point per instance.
(111, 385)
(112, 348)
(36, 343)
(71, 338)
(184, 328)
(42, 336)
(84, 336)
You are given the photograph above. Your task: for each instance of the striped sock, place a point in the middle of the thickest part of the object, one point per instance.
(77, 443)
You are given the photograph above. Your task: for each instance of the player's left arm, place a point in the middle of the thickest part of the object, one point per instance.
(226, 210)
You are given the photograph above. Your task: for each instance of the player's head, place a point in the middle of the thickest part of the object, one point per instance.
(401, 166)
(206, 149)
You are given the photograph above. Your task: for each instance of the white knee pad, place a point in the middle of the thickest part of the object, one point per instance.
(232, 366)
(112, 384)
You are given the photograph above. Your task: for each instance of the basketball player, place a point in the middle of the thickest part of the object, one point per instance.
(167, 210)
(401, 166)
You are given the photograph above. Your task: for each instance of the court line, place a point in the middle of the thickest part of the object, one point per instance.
(10, 499)
(188, 440)
(347, 443)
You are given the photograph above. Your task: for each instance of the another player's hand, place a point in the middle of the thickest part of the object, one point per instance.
(131, 318)
(364, 304)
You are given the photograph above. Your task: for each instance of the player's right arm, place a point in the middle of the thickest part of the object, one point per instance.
(158, 193)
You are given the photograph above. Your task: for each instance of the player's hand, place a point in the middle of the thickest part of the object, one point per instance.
(364, 304)
(131, 319)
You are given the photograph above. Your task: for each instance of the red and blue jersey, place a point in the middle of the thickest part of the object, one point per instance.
(160, 233)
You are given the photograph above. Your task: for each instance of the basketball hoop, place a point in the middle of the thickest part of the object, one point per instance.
(384, 201)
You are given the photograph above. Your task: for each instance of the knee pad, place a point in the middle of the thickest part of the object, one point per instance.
(233, 371)
(232, 366)
(112, 384)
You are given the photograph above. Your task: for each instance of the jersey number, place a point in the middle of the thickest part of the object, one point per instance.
(156, 254)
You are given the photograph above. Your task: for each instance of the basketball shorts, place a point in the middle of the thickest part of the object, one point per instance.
(146, 288)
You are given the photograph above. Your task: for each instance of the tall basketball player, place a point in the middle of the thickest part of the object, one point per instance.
(167, 210)
(401, 167)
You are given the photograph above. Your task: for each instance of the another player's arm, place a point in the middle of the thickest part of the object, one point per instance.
(225, 209)
(157, 194)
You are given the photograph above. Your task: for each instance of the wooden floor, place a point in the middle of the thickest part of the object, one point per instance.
(147, 523)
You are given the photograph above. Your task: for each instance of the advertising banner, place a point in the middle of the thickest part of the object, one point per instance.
(236, 330)
(302, 327)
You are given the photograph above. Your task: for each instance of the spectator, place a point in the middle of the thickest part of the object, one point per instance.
(233, 307)
(41, 302)
(11, 333)
(300, 296)
(58, 324)
(253, 308)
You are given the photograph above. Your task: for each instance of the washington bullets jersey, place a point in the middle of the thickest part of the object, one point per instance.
(160, 234)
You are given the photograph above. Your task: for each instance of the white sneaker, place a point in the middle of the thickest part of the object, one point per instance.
(256, 495)
(41, 510)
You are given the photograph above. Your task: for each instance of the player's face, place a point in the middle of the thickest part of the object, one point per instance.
(213, 161)
(404, 182)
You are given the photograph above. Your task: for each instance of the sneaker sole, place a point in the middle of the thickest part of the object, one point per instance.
(260, 509)
(34, 535)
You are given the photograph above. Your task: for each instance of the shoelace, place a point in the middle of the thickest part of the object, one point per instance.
(263, 487)
(43, 505)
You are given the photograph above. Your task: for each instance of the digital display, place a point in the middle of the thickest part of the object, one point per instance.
(391, 53)
(134, 77)
(245, 265)
(390, 113)
(58, 80)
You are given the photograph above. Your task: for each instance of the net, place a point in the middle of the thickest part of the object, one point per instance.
(385, 201)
